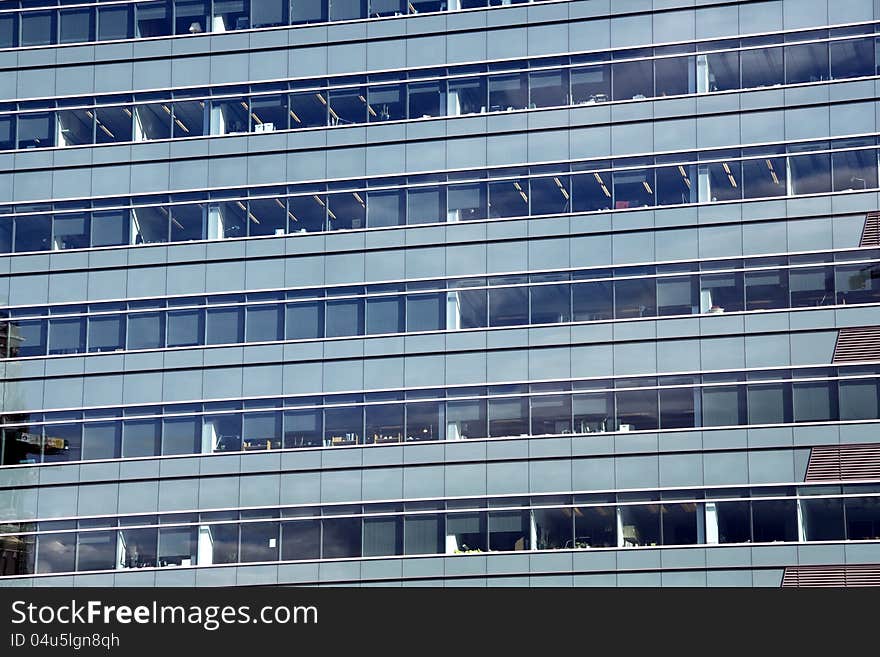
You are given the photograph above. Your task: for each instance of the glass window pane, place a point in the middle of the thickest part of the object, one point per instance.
(67, 336)
(591, 84)
(308, 109)
(264, 323)
(269, 13)
(466, 96)
(635, 298)
(593, 412)
(467, 309)
(509, 416)
(300, 540)
(859, 400)
(153, 19)
(637, 410)
(348, 106)
(427, 99)
(857, 283)
(110, 228)
(423, 534)
(810, 174)
(761, 67)
(76, 127)
(509, 530)
(823, 519)
(806, 62)
(734, 522)
(106, 333)
(814, 401)
(640, 524)
(62, 442)
(553, 529)
(37, 28)
(346, 211)
(146, 330)
(855, 169)
(674, 76)
(141, 438)
(721, 292)
(466, 419)
(102, 440)
(592, 301)
(308, 11)
(77, 25)
(764, 177)
(722, 70)
(774, 521)
(383, 536)
(769, 403)
(384, 423)
(509, 306)
(36, 130)
(723, 406)
(811, 286)
(385, 315)
(341, 538)
(550, 195)
(343, 425)
(862, 518)
(303, 428)
(852, 58)
(181, 436)
(345, 317)
(550, 304)
(633, 188)
(551, 414)
(680, 523)
(766, 290)
(150, 225)
(115, 22)
(70, 231)
(425, 312)
(466, 532)
(595, 527)
(467, 202)
(305, 320)
(259, 541)
(633, 80)
(57, 553)
(386, 208)
(225, 325)
(178, 546)
(386, 102)
(307, 213)
(186, 328)
(507, 92)
(425, 421)
(96, 551)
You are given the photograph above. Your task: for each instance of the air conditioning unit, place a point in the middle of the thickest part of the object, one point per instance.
(264, 127)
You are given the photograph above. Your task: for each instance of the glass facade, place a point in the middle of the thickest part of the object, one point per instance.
(460, 292)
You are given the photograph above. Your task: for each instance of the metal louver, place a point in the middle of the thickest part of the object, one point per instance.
(844, 462)
(858, 343)
(871, 231)
(831, 576)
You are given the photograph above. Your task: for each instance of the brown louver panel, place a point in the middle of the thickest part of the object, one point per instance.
(831, 576)
(842, 462)
(857, 343)
(871, 231)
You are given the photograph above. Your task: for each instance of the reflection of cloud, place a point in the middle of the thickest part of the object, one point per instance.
(56, 555)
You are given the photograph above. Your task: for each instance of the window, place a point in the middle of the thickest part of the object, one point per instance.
(343, 425)
(466, 532)
(300, 539)
(425, 420)
(8, 31)
(385, 314)
(858, 399)
(221, 432)
(723, 405)
(425, 312)
(181, 436)
(857, 283)
(423, 534)
(63, 442)
(345, 317)
(550, 304)
(553, 528)
(113, 124)
(854, 169)
(348, 106)
(386, 208)
(70, 231)
(308, 11)
(723, 179)
(676, 184)
(346, 210)
(177, 545)
(57, 553)
(467, 202)
(811, 286)
(110, 227)
(508, 416)
(189, 116)
(734, 522)
(634, 188)
(305, 320)
(593, 411)
(640, 524)
(635, 297)
(77, 25)
(229, 116)
(343, 10)
(115, 22)
(862, 518)
(259, 541)
(188, 222)
(761, 66)
(509, 530)
(811, 173)
(146, 330)
(467, 308)
(152, 121)
(595, 526)
(466, 419)
(303, 428)
(814, 401)
(852, 58)
(341, 538)
(67, 335)
(764, 173)
(38, 28)
(467, 96)
(679, 406)
(308, 109)
(823, 519)
(102, 440)
(307, 214)
(191, 16)
(427, 99)
(96, 550)
(141, 438)
(186, 328)
(383, 536)
(509, 198)
(768, 289)
(677, 295)
(264, 323)
(32, 233)
(230, 15)
(806, 62)
(722, 292)
(139, 547)
(680, 523)
(384, 422)
(637, 409)
(551, 414)
(721, 71)
(269, 13)
(153, 19)
(386, 103)
(774, 520)
(36, 131)
(269, 113)
(508, 91)
(769, 403)
(548, 88)
(593, 300)
(633, 80)
(225, 325)
(107, 332)
(590, 84)
(509, 306)
(550, 195)
(674, 75)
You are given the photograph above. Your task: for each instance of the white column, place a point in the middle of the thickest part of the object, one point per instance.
(205, 546)
(216, 230)
(619, 517)
(702, 74)
(710, 525)
(453, 311)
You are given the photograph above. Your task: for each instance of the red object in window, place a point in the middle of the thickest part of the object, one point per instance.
(621, 205)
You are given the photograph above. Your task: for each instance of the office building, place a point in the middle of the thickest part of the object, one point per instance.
(439, 292)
